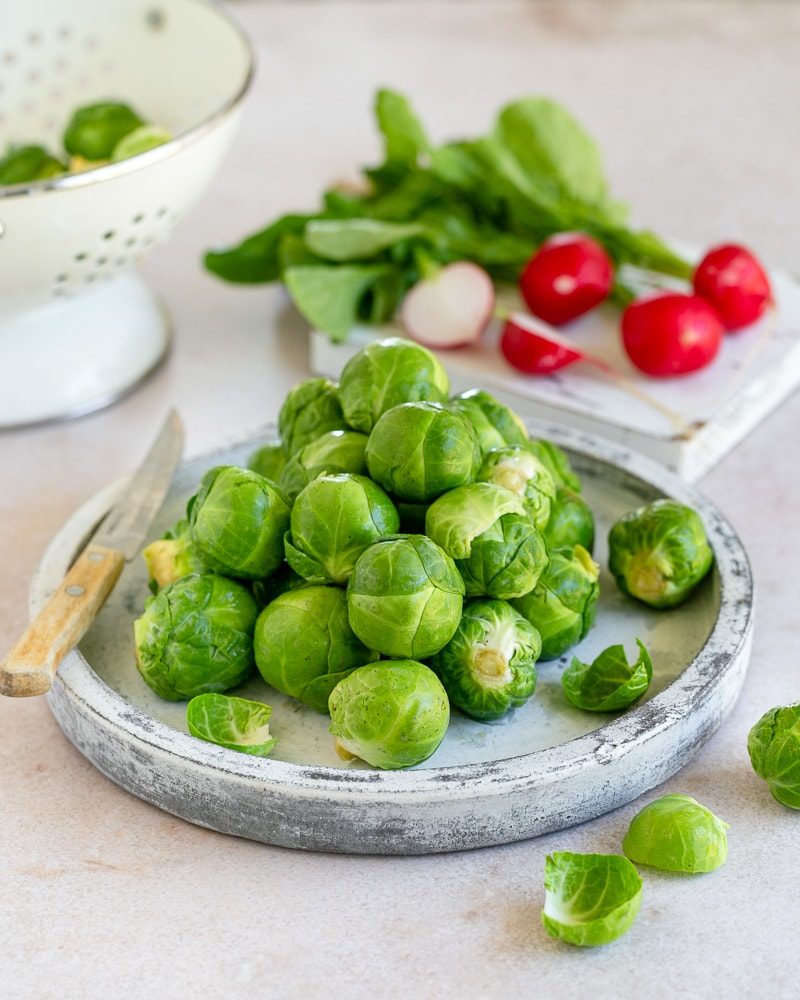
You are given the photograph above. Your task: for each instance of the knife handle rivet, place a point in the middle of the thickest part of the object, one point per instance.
(96, 557)
(74, 590)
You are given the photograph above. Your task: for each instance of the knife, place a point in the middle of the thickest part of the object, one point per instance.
(61, 624)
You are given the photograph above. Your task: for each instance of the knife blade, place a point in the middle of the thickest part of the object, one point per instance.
(31, 665)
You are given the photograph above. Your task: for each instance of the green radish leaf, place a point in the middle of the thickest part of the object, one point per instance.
(356, 239)
(330, 296)
(402, 131)
(256, 259)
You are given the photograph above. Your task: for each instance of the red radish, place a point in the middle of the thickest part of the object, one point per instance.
(452, 308)
(732, 280)
(670, 333)
(535, 351)
(567, 276)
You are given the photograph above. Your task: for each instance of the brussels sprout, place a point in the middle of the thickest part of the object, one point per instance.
(235, 723)
(405, 597)
(196, 635)
(774, 748)
(489, 666)
(172, 556)
(94, 130)
(571, 521)
(609, 683)
(659, 553)
(563, 603)
(676, 834)
(488, 532)
(304, 644)
(312, 408)
(386, 373)
(495, 424)
(28, 163)
(333, 520)
(418, 451)
(515, 468)
(238, 520)
(556, 462)
(336, 451)
(590, 899)
(391, 714)
(140, 140)
(269, 461)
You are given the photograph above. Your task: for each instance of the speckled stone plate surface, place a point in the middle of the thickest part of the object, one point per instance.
(547, 767)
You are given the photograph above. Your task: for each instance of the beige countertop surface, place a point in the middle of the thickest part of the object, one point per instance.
(101, 895)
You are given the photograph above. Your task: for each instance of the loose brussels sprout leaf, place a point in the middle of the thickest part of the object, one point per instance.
(563, 603)
(312, 408)
(386, 373)
(269, 461)
(235, 723)
(489, 666)
(391, 714)
(515, 468)
(571, 521)
(282, 580)
(140, 140)
(556, 462)
(29, 163)
(405, 597)
(590, 899)
(304, 644)
(238, 520)
(173, 556)
(417, 451)
(676, 834)
(94, 130)
(333, 520)
(335, 451)
(196, 635)
(495, 424)
(609, 683)
(659, 553)
(774, 748)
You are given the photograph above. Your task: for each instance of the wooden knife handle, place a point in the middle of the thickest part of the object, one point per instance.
(61, 624)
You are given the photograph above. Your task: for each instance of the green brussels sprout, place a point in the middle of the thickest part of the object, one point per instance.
(269, 461)
(28, 163)
(609, 683)
(238, 520)
(571, 521)
(489, 666)
(333, 520)
(304, 644)
(311, 409)
(405, 597)
(563, 603)
(659, 553)
(417, 451)
(94, 130)
(391, 714)
(590, 899)
(488, 531)
(495, 424)
(676, 834)
(235, 723)
(140, 140)
(172, 556)
(515, 468)
(556, 462)
(774, 748)
(282, 581)
(335, 451)
(196, 635)
(386, 373)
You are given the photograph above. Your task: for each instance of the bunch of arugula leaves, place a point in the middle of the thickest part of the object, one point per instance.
(490, 200)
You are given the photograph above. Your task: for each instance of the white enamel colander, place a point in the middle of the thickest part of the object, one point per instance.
(78, 326)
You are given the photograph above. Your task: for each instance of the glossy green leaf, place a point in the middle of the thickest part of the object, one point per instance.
(235, 723)
(609, 683)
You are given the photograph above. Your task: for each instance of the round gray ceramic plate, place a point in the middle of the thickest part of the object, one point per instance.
(547, 767)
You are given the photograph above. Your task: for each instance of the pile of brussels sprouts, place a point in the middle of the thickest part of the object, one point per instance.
(96, 134)
(399, 553)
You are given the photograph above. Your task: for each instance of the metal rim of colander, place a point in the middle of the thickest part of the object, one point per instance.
(190, 135)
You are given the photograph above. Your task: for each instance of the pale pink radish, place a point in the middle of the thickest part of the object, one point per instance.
(451, 308)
